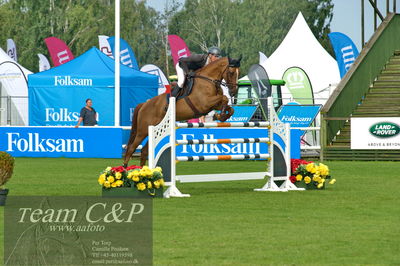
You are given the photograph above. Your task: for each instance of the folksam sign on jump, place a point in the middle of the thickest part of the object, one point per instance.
(61, 142)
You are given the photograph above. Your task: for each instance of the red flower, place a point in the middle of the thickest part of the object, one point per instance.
(294, 163)
(118, 169)
(292, 179)
(133, 167)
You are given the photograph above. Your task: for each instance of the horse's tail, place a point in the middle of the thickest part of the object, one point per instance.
(134, 124)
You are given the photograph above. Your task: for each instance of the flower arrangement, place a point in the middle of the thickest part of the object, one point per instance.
(133, 176)
(309, 173)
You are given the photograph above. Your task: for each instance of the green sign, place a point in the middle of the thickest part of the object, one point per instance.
(299, 85)
(384, 129)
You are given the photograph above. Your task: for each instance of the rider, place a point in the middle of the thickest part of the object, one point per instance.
(194, 62)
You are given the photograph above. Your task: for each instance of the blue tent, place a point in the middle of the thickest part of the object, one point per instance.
(57, 95)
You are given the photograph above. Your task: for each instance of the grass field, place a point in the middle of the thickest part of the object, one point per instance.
(354, 222)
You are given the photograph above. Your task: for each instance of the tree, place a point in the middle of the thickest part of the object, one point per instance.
(78, 23)
(247, 26)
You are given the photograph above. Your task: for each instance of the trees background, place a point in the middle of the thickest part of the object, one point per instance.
(237, 26)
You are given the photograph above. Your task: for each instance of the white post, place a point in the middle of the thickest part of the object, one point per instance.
(117, 65)
(151, 147)
(172, 140)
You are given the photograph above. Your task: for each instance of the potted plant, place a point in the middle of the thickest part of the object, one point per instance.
(6, 171)
(133, 181)
(310, 175)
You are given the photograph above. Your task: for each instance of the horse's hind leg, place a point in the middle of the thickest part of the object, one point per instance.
(132, 147)
(144, 154)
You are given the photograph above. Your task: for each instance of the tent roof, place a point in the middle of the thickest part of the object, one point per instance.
(4, 57)
(97, 66)
(301, 49)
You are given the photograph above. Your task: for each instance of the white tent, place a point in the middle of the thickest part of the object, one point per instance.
(300, 48)
(13, 78)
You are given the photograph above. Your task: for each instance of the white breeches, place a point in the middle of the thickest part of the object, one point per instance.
(181, 75)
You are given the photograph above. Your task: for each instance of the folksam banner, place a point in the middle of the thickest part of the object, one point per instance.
(299, 85)
(345, 50)
(127, 55)
(232, 148)
(61, 142)
(59, 51)
(178, 48)
(242, 113)
(298, 115)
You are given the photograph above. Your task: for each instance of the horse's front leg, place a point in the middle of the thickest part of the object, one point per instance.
(226, 110)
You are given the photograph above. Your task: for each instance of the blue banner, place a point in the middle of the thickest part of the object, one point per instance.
(47, 108)
(91, 142)
(345, 51)
(127, 55)
(298, 115)
(232, 148)
(242, 113)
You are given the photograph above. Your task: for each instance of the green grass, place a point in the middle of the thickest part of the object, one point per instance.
(354, 222)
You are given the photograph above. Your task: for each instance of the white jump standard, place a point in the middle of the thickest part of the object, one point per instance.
(165, 156)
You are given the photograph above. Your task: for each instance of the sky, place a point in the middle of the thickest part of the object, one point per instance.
(346, 17)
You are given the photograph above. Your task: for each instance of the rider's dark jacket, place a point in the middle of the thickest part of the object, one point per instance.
(193, 62)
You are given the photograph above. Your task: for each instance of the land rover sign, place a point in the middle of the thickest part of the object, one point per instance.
(375, 133)
(384, 129)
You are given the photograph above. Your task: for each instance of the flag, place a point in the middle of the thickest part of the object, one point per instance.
(104, 46)
(262, 86)
(299, 85)
(126, 53)
(345, 51)
(178, 48)
(163, 83)
(12, 49)
(59, 51)
(44, 64)
(263, 58)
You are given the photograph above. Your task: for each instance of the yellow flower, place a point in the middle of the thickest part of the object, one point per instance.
(130, 175)
(311, 168)
(108, 168)
(161, 182)
(322, 180)
(110, 179)
(299, 177)
(307, 179)
(156, 184)
(136, 173)
(135, 178)
(119, 183)
(102, 179)
(320, 185)
(145, 167)
(158, 169)
(141, 186)
(118, 175)
(149, 185)
(114, 184)
(316, 178)
(107, 184)
(333, 181)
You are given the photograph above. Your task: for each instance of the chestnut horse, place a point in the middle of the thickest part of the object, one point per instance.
(206, 95)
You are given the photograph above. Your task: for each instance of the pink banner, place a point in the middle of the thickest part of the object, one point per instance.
(178, 48)
(58, 50)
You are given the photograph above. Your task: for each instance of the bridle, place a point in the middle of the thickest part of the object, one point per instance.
(216, 82)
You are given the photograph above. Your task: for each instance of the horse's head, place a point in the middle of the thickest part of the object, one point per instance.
(231, 75)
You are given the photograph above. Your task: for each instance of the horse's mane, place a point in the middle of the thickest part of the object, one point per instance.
(214, 65)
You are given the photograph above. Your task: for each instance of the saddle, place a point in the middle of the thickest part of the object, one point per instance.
(180, 93)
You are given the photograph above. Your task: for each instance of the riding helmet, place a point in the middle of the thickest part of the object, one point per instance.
(214, 50)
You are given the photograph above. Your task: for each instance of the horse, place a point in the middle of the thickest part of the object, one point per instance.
(206, 95)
